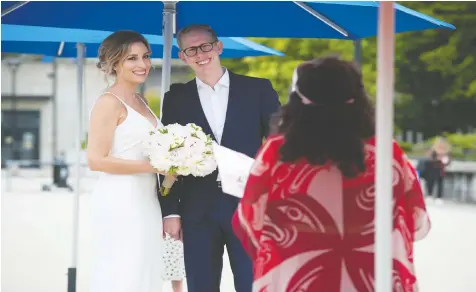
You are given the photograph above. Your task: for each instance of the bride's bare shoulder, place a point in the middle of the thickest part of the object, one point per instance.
(107, 102)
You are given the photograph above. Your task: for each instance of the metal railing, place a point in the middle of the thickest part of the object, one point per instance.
(34, 175)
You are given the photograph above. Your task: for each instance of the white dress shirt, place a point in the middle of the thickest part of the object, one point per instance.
(214, 101)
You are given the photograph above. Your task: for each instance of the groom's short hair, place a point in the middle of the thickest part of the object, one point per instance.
(195, 27)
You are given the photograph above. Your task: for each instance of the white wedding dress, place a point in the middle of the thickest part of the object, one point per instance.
(127, 219)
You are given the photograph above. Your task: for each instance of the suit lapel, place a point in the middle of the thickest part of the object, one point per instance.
(233, 108)
(198, 115)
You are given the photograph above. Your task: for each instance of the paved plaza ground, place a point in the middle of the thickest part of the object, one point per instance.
(36, 244)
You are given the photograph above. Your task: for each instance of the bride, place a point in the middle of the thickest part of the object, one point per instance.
(126, 214)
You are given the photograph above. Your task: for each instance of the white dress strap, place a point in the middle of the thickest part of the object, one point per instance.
(111, 93)
(120, 99)
(148, 107)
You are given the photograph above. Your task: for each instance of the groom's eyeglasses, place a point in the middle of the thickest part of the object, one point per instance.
(205, 47)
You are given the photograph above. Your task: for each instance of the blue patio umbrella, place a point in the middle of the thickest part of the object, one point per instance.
(307, 19)
(61, 42)
(346, 20)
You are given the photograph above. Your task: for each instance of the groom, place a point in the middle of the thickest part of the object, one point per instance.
(235, 111)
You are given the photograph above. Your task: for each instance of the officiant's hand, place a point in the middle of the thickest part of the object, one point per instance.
(172, 226)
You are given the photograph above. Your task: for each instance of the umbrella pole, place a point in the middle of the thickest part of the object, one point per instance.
(323, 18)
(384, 148)
(13, 7)
(74, 251)
(168, 36)
(54, 99)
(358, 52)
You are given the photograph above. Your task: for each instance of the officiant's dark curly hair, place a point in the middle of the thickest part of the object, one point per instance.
(328, 116)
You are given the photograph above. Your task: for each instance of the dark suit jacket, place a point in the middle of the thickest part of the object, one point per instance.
(251, 103)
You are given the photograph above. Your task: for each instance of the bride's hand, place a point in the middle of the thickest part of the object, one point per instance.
(164, 174)
(151, 169)
(171, 177)
(154, 170)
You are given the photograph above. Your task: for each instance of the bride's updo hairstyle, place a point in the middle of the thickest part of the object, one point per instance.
(328, 116)
(115, 47)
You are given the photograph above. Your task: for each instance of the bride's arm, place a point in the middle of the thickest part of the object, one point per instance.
(104, 120)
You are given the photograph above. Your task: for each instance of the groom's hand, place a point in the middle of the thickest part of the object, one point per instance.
(173, 227)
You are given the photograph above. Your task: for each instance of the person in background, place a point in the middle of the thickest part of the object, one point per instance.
(439, 159)
(307, 215)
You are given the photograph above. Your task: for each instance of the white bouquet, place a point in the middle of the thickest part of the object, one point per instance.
(180, 150)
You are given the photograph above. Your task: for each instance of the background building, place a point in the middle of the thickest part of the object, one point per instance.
(27, 105)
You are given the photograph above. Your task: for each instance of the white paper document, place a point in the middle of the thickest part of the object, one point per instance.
(234, 168)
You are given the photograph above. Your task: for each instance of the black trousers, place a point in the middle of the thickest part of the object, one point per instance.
(430, 186)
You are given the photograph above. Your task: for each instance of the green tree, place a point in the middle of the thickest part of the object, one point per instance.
(436, 71)
(280, 69)
(153, 98)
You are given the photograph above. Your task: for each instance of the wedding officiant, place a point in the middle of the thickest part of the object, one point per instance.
(308, 207)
